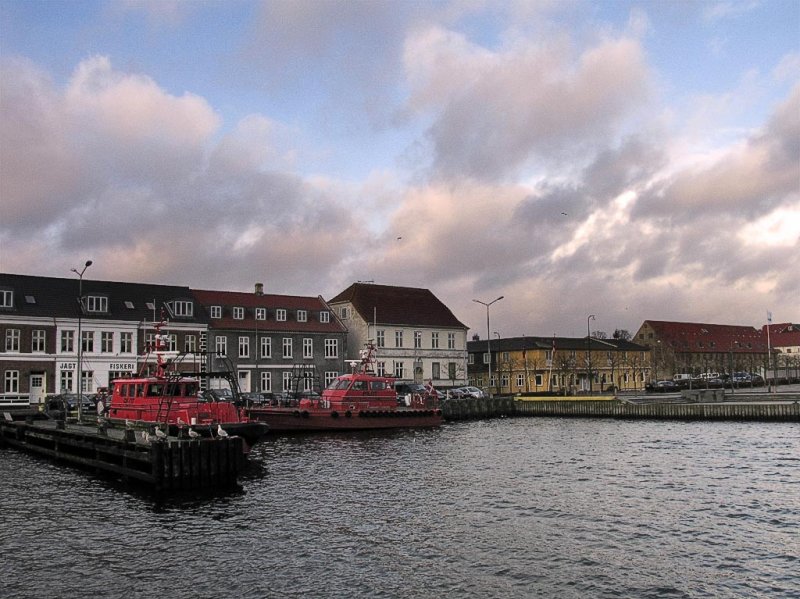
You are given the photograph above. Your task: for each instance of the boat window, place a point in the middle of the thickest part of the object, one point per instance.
(155, 389)
(140, 390)
(359, 386)
(377, 385)
(191, 389)
(339, 384)
(173, 389)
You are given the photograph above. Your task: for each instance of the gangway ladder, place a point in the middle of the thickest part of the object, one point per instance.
(305, 378)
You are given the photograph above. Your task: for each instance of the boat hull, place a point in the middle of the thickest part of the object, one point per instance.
(320, 419)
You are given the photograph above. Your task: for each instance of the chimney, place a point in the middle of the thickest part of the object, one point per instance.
(259, 288)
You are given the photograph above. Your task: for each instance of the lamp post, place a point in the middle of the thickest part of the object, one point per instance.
(589, 351)
(489, 337)
(80, 339)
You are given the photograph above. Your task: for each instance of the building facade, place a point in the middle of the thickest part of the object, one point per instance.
(417, 337)
(274, 343)
(557, 365)
(47, 323)
(698, 348)
(784, 341)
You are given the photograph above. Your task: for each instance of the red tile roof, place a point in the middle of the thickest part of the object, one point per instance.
(783, 335)
(703, 337)
(407, 306)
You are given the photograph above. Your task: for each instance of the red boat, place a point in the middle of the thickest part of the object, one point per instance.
(356, 401)
(172, 400)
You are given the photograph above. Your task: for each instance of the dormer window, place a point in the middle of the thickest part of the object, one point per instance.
(344, 313)
(29, 299)
(261, 313)
(6, 298)
(302, 316)
(238, 313)
(129, 304)
(216, 311)
(280, 315)
(96, 303)
(324, 316)
(150, 305)
(181, 308)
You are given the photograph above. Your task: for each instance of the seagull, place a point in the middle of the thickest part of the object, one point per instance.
(193, 434)
(128, 424)
(221, 432)
(180, 421)
(146, 438)
(160, 434)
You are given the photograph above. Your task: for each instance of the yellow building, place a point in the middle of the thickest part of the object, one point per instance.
(557, 364)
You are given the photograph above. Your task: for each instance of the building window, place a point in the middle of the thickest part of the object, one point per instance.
(286, 382)
(325, 316)
(6, 298)
(344, 313)
(451, 371)
(539, 380)
(381, 341)
(308, 348)
(302, 316)
(266, 347)
(331, 348)
(471, 359)
(287, 347)
(190, 344)
(504, 380)
(38, 341)
(221, 346)
(381, 368)
(96, 303)
(261, 313)
(12, 340)
(244, 347)
(398, 338)
(451, 340)
(436, 370)
(106, 342)
(520, 381)
(330, 376)
(417, 339)
(66, 381)
(266, 382)
(182, 308)
(216, 311)
(67, 342)
(486, 356)
(238, 313)
(11, 381)
(434, 340)
(399, 369)
(126, 343)
(87, 341)
(87, 381)
(280, 315)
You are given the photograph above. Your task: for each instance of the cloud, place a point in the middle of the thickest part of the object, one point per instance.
(493, 112)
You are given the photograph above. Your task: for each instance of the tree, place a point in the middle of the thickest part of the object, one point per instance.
(599, 335)
(622, 334)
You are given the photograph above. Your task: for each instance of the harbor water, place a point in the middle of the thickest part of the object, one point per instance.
(508, 508)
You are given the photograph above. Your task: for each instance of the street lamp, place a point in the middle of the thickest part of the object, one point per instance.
(489, 336)
(589, 351)
(80, 340)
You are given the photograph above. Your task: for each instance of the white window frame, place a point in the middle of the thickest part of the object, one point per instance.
(302, 316)
(417, 339)
(288, 349)
(325, 317)
(435, 340)
(261, 313)
(266, 381)
(96, 303)
(11, 381)
(216, 311)
(244, 346)
(87, 341)
(266, 347)
(221, 345)
(67, 345)
(12, 340)
(308, 348)
(451, 340)
(6, 298)
(126, 343)
(380, 338)
(238, 313)
(190, 344)
(331, 348)
(280, 314)
(286, 381)
(38, 341)
(398, 338)
(183, 308)
(106, 342)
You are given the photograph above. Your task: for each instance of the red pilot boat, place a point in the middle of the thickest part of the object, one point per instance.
(356, 401)
(171, 399)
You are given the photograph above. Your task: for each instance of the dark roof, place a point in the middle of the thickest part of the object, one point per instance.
(227, 300)
(408, 306)
(561, 343)
(58, 297)
(706, 337)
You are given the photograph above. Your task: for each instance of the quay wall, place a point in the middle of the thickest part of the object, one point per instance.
(787, 409)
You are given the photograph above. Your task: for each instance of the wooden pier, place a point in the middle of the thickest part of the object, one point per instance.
(738, 408)
(171, 465)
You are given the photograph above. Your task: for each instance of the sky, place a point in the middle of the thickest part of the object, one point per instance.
(628, 160)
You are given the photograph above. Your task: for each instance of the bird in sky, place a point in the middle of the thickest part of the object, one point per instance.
(221, 432)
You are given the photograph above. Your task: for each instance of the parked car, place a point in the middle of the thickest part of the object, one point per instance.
(473, 392)
(405, 391)
(63, 404)
(662, 386)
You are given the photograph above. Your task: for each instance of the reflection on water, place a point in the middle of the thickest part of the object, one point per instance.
(505, 508)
